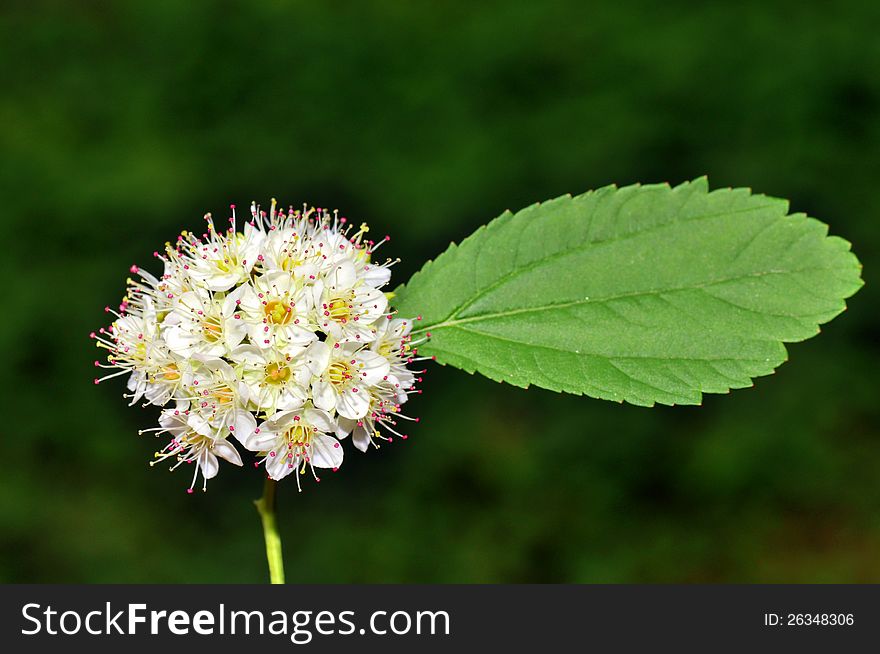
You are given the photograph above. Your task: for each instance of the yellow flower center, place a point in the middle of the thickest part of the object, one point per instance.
(338, 373)
(339, 309)
(298, 435)
(172, 373)
(230, 255)
(224, 394)
(277, 312)
(212, 329)
(289, 263)
(277, 374)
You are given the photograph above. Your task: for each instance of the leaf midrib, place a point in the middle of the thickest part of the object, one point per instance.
(620, 357)
(562, 305)
(580, 247)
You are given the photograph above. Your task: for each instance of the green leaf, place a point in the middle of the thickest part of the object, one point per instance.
(641, 294)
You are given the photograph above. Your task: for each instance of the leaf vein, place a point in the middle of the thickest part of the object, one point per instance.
(649, 292)
(583, 246)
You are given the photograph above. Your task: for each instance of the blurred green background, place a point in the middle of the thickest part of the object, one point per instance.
(122, 123)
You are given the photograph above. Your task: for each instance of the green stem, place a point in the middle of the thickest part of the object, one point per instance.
(266, 508)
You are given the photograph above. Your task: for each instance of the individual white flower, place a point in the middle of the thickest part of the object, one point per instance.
(294, 440)
(276, 381)
(290, 250)
(131, 344)
(275, 308)
(223, 260)
(219, 397)
(365, 430)
(344, 377)
(164, 373)
(346, 307)
(189, 446)
(135, 347)
(392, 342)
(335, 244)
(383, 416)
(204, 324)
(175, 282)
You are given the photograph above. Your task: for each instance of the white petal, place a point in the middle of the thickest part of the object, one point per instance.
(323, 395)
(372, 367)
(318, 357)
(215, 364)
(326, 452)
(402, 378)
(342, 275)
(332, 328)
(319, 419)
(181, 340)
(317, 292)
(209, 464)
(297, 335)
(248, 354)
(353, 403)
(377, 276)
(188, 303)
(244, 394)
(245, 424)
(157, 393)
(250, 303)
(361, 439)
(217, 349)
(261, 441)
(289, 400)
(175, 424)
(280, 421)
(230, 305)
(225, 450)
(250, 249)
(259, 336)
(344, 426)
(306, 271)
(199, 424)
(279, 466)
(400, 328)
(234, 331)
(369, 304)
(268, 398)
(278, 283)
(218, 281)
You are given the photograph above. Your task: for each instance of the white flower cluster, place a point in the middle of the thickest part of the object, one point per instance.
(278, 337)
